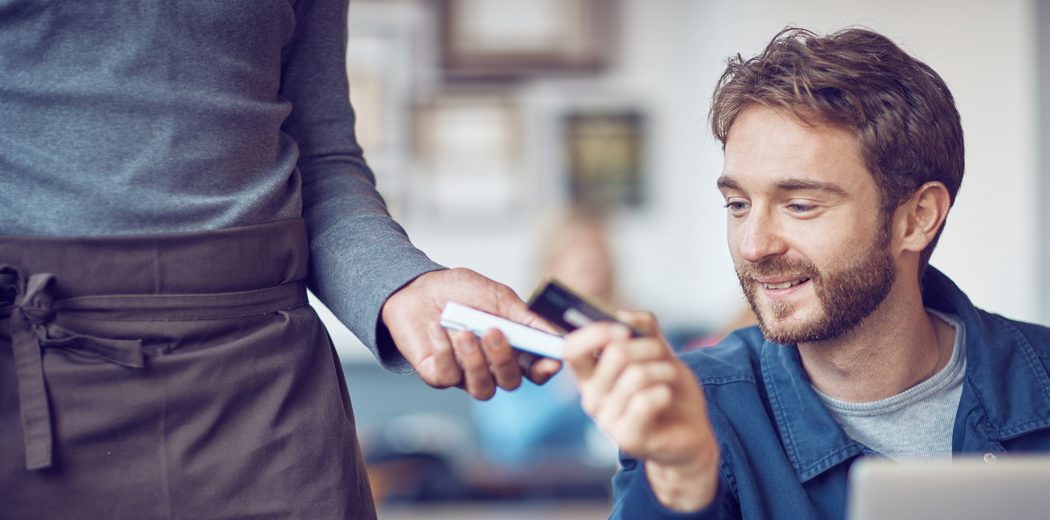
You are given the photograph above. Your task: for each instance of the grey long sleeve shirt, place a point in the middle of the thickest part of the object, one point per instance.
(127, 117)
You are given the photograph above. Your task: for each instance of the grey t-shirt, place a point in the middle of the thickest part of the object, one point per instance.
(916, 423)
(126, 117)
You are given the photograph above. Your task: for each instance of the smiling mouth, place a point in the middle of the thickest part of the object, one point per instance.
(785, 285)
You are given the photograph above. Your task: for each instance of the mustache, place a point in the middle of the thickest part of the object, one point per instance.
(776, 266)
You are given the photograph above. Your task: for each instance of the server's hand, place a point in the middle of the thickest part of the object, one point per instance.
(412, 314)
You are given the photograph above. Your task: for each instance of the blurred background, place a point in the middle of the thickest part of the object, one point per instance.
(526, 137)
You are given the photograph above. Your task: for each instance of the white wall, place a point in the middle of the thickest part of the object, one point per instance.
(1042, 23)
(673, 257)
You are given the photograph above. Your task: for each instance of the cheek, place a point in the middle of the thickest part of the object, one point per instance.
(832, 249)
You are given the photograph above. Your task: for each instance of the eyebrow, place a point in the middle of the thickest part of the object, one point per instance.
(789, 185)
(724, 183)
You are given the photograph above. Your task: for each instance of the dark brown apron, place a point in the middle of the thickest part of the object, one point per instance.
(171, 376)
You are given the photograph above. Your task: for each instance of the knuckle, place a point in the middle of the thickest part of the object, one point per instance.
(441, 378)
(671, 370)
(652, 347)
(511, 383)
(574, 348)
(498, 354)
(629, 441)
(589, 404)
(470, 359)
(504, 292)
(607, 418)
(461, 272)
(659, 396)
(506, 373)
(615, 353)
(647, 318)
(494, 338)
(505, 367)
(473, 367)
(477, 370)
(635, 377)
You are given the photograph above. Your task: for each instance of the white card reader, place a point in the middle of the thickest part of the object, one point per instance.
(522, 337)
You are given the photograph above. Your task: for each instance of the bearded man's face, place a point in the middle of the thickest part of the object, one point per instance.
(809, 242)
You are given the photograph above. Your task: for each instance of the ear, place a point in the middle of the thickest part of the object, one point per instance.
(922, 215)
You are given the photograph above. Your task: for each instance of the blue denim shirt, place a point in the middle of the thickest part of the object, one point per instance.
(783, 454)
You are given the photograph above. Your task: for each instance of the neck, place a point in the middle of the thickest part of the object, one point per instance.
(896, 347)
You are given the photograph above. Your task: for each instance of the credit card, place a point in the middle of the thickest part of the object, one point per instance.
(567, 310)
(520, 336)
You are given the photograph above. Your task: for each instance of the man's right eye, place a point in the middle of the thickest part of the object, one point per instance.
(736, 205)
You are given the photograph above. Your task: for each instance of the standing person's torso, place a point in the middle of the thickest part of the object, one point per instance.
(121, 117)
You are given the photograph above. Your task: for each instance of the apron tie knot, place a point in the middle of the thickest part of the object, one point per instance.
(33, 297)
(30, 303)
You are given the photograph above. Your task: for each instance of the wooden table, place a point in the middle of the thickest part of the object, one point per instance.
(499, 510)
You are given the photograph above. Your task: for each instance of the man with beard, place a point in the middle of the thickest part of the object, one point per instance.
(843, 155)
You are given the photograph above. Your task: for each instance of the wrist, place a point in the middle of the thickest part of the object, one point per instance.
(687, 486)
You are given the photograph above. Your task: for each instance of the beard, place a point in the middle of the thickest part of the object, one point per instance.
(846, 295)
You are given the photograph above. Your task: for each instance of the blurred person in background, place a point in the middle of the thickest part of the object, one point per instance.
(173, 177)
(546, 423)
(843, 156)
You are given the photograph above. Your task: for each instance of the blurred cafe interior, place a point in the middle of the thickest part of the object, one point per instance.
(528, 138)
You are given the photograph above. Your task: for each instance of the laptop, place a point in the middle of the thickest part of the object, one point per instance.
(1001, 487)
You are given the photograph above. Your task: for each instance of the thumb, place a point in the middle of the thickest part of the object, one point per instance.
(514, 308)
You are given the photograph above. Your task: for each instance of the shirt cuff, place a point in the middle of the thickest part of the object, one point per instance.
(387, 353)
(639, 501)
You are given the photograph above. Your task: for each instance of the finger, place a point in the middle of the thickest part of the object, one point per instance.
(582, 347)
(438, 366)
(644, 322)
(542, 369)
(525, 360)
(502, 361)
(616, 357)
(634, 379)
(476, 376)
(537, 369)
(509, 305)
(632, 431)
(501, 300)
(512, 307)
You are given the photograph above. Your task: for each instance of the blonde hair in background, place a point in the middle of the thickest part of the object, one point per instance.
(574, 248)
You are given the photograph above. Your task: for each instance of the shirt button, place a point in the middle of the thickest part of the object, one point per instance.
(989, 458)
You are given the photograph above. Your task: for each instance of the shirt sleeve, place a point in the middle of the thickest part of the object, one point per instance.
(633, 497)
(359, 254)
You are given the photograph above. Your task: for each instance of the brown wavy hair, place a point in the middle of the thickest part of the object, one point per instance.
(899, 109)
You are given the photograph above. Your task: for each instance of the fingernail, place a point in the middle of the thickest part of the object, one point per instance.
(620, 332)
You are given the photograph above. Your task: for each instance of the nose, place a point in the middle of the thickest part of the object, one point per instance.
(757, 236)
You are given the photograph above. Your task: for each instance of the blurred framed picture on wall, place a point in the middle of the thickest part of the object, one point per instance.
(468, 159)
(374, 66)
(604, 159)
(507, 39)
(380, 65)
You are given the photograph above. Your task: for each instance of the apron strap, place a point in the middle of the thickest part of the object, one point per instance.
(31, 331)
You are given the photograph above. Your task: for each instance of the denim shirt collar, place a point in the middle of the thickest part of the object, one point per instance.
(1014, 405)
(1010, 384)
(812, 439)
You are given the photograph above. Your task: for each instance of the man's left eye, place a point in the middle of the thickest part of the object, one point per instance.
(800, 208)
